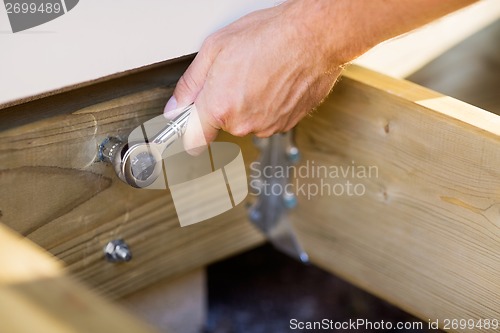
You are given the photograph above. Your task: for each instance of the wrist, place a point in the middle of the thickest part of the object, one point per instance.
(333, 28)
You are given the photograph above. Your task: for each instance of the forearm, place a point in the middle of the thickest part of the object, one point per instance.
(348, 28)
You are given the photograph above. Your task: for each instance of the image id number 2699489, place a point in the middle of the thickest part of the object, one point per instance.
(471, 324)
(31, 7)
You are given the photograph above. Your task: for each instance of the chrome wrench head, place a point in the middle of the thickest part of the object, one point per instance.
(139, 164)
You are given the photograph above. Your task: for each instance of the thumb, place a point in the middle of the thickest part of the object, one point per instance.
(190, 83)
(199, 132)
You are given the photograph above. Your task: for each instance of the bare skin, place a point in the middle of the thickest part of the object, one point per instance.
(266, 71)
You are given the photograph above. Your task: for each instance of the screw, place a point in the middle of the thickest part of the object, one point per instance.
(293, 154)
(290, 200)
(117, 251)
(304, 258)
(108, 149)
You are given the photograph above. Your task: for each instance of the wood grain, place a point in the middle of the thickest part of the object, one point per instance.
(57, 194)
(426, 234)
(72, 99)
(36, 296)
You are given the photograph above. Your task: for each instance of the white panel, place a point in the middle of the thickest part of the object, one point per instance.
(103, 37)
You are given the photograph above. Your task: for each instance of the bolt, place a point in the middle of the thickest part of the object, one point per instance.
(293, 154)
(290, 200)
(117, 251)
(304, 257)
(108, 149)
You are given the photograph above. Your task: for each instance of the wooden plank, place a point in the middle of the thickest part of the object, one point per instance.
(477, 85)
(425, 235)
(73, 49)
(159, 75)
(55, 193)
(36, 296)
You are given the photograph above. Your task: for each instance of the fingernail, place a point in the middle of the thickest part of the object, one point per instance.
(171, 105)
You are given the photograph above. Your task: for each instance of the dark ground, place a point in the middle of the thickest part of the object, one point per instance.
(261, 290)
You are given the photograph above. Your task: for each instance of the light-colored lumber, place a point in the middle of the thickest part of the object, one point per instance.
(426, 234)
(36, 296)
(55, 192)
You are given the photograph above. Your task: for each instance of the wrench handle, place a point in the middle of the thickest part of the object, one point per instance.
(174, 129)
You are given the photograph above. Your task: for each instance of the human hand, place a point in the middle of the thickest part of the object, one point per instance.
(266, 71)
(261, 74)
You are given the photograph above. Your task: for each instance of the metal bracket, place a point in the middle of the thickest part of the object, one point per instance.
(274, 196)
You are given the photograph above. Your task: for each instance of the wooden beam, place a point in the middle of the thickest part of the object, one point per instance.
(36, 296)
(80, 204)
(425, 234)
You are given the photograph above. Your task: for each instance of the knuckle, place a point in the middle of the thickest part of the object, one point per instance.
(289, 127)
(291, 124)
(185, 85)
(220, 116)
(262, 134)
(240, 130)
(233, 120)
(211, 41)
(189, 80)
(267, 132)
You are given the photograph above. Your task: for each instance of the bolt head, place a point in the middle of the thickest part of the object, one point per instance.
(290, 200)
(304, 258)
(293, 154)
(117, 251)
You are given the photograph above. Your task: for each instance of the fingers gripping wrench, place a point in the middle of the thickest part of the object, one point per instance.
(139, 164)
